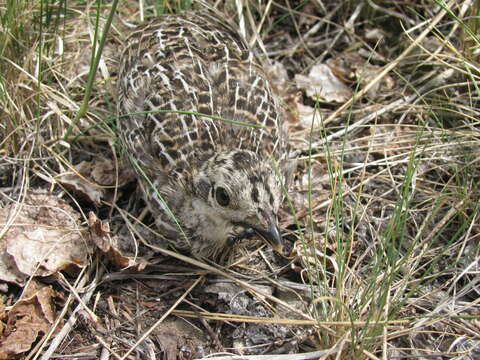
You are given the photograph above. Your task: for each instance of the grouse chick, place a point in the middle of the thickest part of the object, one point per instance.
(206, 181)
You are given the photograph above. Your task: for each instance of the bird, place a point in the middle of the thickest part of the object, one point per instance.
(206, 135)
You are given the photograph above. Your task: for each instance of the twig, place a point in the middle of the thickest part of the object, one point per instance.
(305, 356)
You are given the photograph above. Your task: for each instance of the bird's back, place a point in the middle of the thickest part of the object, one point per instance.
(193, 63)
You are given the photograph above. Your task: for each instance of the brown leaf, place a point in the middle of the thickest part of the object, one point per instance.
(28, 319)
(108, 244)
(92, 179)
(99, 231)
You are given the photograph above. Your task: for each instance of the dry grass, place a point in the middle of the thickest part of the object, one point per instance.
(384, 212)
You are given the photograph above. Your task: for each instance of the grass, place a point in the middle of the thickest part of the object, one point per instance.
(385, 207)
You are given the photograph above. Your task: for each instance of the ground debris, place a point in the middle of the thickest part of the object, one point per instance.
(322, 84)
(42, 235)
(381, 222)
(28, 319)
(95, 180)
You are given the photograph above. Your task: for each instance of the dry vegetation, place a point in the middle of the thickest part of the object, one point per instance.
(382, 219)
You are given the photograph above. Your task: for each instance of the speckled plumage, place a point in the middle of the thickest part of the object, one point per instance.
(216, 177)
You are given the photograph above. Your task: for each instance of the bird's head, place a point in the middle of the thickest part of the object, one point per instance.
(237, 189)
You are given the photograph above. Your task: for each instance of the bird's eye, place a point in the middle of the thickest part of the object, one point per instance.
(222, 196)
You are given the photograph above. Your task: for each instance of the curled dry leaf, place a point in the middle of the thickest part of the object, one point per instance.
(42, 235)
(93, 179)
(322, 84)
(81, 185)
(108, 244)
(27, 320)
(99, 231)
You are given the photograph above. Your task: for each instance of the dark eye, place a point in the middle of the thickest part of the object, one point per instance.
(222, 196)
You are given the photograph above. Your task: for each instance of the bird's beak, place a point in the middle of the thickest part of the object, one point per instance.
(271, 235)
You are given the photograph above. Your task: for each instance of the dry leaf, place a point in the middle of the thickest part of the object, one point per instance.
(168, 343)
(321, 84)
(99, 232)
(30, 318)
(354, 68)
(278, 76)
(100, 235)
(104, 172)
(82, 186)
(43, 237)
(308, 116)
(92, 179)
(8, 269)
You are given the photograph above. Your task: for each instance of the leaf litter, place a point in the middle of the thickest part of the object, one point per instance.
(41, 236)
(28, 319)
(368, 161)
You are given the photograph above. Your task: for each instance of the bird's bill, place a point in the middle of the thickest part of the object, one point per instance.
(271, 236)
